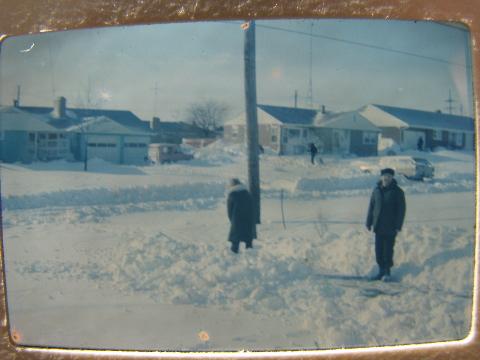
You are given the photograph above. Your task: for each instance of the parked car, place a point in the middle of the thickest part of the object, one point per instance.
(414, 168)
(162, 153)
(411, 167)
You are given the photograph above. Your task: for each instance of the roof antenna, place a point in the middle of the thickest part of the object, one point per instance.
(310, 82)
(450, 101)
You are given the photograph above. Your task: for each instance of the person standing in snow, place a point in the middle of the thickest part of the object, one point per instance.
(312, 149)
(240, 212)
(420, 144)
(386, 214)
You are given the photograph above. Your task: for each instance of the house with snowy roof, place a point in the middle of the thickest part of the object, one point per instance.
(101, 137)
(289, 130)
(26, 137)
(177, 132)
(116, 136)
(407, 126)
(346, 133)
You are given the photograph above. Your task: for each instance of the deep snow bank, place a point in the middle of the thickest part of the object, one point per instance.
(291, 277)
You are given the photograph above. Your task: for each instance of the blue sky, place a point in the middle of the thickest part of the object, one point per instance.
(354, 63)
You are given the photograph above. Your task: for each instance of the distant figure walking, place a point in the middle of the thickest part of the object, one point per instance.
(241, 215)
(386, 214)
(312, 149)
(420, 144)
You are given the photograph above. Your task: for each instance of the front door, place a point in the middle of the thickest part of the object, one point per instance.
(411, 138)
(341, 141)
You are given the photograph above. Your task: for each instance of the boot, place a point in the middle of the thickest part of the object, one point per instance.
(387, 277)
(380, 275)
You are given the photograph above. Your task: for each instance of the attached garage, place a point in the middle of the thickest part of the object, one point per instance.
(110, 141)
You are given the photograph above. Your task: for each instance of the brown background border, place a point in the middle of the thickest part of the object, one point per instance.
(30, 16)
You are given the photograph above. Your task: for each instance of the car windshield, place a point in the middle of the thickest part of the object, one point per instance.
(421, 161)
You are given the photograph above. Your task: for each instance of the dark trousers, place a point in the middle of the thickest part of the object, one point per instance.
(312, 158)
(236, 245)
(384, 250)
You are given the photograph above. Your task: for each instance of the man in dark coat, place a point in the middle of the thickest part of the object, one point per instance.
(420, 144)
(386, 214)
(312, 149)
(241, 215)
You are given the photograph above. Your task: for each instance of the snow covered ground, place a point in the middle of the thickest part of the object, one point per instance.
(126, 257)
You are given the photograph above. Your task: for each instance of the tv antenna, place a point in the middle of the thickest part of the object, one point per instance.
(450, 101)
(310, 81)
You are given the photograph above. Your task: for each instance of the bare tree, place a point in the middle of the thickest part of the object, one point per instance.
(208, 115)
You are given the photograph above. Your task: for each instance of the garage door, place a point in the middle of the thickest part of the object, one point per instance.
(105, 148)
(134, 152)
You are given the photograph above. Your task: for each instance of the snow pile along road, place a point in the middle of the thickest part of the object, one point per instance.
(290, 277)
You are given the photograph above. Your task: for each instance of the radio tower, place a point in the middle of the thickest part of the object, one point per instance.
(310, 84)
(450, 101)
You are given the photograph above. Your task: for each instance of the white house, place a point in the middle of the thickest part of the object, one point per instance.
(288, 131)
(407, 126)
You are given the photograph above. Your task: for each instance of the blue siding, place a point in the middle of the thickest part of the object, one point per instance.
(14, 147)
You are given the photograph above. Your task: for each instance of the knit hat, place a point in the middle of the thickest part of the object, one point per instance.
(387, 171)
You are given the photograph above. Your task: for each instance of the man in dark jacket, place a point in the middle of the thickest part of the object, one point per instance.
(386, 214)
(241, 215)
(312, 149)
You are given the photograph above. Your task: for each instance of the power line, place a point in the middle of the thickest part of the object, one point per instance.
(357, 43)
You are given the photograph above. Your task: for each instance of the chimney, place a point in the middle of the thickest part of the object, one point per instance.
(155, 123)
(59, 108)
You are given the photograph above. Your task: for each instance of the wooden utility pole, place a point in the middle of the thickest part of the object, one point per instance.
(251, 112)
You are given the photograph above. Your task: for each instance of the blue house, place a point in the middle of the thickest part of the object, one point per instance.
(26, 137)
(116, 136)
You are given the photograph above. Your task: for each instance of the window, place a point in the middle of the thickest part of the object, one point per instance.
(31, 136)
(305, 133)
(235, 130)
(456, 139)
(369, 138)
(112, 145)
(52, 144)
(437, 135)
(52, 136)
(293, 133)
(42, 136)
(92, 145)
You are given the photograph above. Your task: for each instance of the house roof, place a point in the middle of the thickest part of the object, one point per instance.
(14, 119)
(429, 120)
(278, 115)
(289, 115)
(105, 125)
(172, 126)
(74, 116)
(351, 120)
(263, 118)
